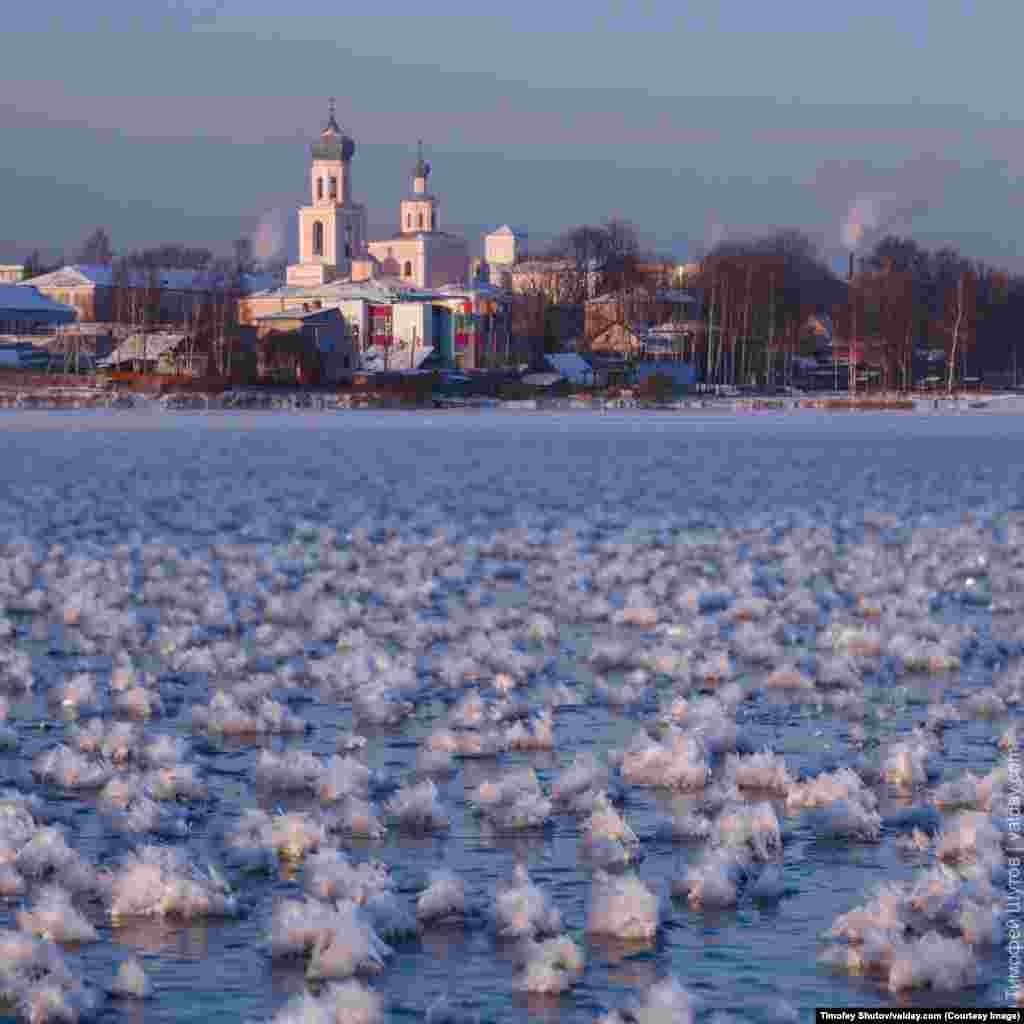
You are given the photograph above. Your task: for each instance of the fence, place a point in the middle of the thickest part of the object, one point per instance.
(166, 383)
(12, 378)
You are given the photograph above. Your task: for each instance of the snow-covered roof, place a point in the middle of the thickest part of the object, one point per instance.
(673, 327)
(571, 365)
(17, 299)
(143, 346)
(301, 313)
(506, 229)
(478, 289)
(380, 289)
(80, 275)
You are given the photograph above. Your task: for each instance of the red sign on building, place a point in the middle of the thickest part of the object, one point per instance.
(381, 325)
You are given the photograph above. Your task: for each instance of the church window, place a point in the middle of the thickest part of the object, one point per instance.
(332, 187)
(408, 268)
(348, 250)
(319, 188)
(408, 220)
(318, 238)
(420, 219)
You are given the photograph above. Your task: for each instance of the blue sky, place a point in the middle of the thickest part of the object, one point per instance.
(186, 120)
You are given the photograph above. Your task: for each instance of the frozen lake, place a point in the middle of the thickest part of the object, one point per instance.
(711, 679)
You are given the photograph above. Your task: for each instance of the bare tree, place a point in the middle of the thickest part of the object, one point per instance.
(960, 314)
(95, 249)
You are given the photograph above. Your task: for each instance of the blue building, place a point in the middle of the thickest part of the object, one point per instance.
(24, 310)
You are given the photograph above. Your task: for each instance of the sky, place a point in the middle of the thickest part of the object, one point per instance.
(189, 120)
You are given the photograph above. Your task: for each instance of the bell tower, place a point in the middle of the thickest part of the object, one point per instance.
(419, 211)
(332, 228)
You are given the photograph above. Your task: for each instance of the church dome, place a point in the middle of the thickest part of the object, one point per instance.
(421, 168)
(333, 143)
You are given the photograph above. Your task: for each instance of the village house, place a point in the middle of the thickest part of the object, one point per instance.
(92, 290)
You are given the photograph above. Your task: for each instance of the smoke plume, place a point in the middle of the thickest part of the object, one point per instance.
(269, 240)
(870, 216)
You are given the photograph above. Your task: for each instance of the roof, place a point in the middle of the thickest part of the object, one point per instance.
(674, 327)
(571, 365)
(143, 346)
(405, 236)
(477, 289)
(24, 356)
(101, 275)
(505, 229)
(17, 299)
(301, 313)
(384, 289)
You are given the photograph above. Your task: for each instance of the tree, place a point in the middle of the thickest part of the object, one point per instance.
(33, 265)
(95, 249)
(242, 248)
(960, 316)
(172, 256)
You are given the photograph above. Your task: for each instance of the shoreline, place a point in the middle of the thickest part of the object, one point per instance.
(63, 397)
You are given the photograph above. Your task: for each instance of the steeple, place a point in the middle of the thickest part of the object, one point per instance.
(422, 168)
(332, 227)
(332, 123)
(333, 143)
(419, 212)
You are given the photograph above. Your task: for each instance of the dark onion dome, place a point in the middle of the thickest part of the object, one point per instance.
(422, 168)
(333, 144)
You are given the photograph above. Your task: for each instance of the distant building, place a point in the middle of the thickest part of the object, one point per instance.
(637, 342)
(682, 375)
(26, 310)
(92, 289)
(420, 253)
(23, 355)
(505, 246)
(406, 299)
(11, 273)
(643, 306)
(333, 242)
(145, 352)
(322, 333)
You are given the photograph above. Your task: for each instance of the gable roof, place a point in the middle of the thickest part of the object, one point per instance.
(78, 275)
(143, 346)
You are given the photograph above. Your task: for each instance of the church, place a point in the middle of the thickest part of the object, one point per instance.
(404, 299)
(333, 237)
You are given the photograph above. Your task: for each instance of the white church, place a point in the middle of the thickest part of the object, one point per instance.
(333, 242)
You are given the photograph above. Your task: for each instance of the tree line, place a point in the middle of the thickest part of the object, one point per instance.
(767, 301)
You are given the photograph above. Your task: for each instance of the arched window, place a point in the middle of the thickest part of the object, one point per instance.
(332, 187)
(319, 188)
(408, 268)
(420, 220)
(318, 238)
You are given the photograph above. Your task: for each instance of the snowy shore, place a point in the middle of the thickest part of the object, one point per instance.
(96, 398)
